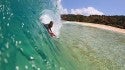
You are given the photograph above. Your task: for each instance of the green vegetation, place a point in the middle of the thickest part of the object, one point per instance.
(116, 21)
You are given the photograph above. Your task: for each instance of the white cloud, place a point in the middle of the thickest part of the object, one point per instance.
(83, 11)
(91, 11)
(76, 11)
(61, 9)
(87, 11)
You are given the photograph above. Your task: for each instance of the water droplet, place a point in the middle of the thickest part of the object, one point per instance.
(16, 43)
(17, 67)
(5, 60)
(11, 14)
(44, 60)
(31, 58)
(12, 37)
(38, 68)
(7, 45)
(33, 65)
(28, 31)
(21, 49)
(3, 17)
(7, 24)
(7, 12)
(22, 25)
(61, 68)
(47, 62)
(20, 42)
(26, 67)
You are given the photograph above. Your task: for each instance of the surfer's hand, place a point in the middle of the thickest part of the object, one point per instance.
(52, 34)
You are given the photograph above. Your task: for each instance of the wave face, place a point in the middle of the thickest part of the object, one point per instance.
(24, 42)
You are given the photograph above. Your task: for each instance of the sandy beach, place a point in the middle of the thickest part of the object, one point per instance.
(106, 27)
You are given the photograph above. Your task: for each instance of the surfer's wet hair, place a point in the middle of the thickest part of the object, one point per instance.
(50, 24)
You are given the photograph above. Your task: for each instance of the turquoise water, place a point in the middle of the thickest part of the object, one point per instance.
(24, 42)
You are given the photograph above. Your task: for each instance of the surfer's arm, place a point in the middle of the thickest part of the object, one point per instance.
(50, 31)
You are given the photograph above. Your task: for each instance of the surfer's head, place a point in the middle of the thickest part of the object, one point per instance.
(50, 24)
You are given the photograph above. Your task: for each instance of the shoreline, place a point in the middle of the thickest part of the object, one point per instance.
(101, 26)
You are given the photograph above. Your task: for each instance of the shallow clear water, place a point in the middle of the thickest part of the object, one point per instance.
(93, 48)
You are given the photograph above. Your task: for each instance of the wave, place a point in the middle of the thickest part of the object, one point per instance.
(24, 42)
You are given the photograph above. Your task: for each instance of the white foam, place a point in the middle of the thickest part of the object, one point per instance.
(49, 15)
(45, 19)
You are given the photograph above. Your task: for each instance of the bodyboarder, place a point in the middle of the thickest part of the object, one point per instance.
(48, 27)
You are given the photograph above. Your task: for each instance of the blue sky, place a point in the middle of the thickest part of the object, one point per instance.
(108, 7)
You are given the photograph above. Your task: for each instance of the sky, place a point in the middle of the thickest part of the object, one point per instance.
(92, 7)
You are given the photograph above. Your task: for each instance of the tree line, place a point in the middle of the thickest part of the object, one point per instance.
(116, 20)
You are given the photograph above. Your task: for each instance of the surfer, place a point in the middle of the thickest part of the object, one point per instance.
(48, 27)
